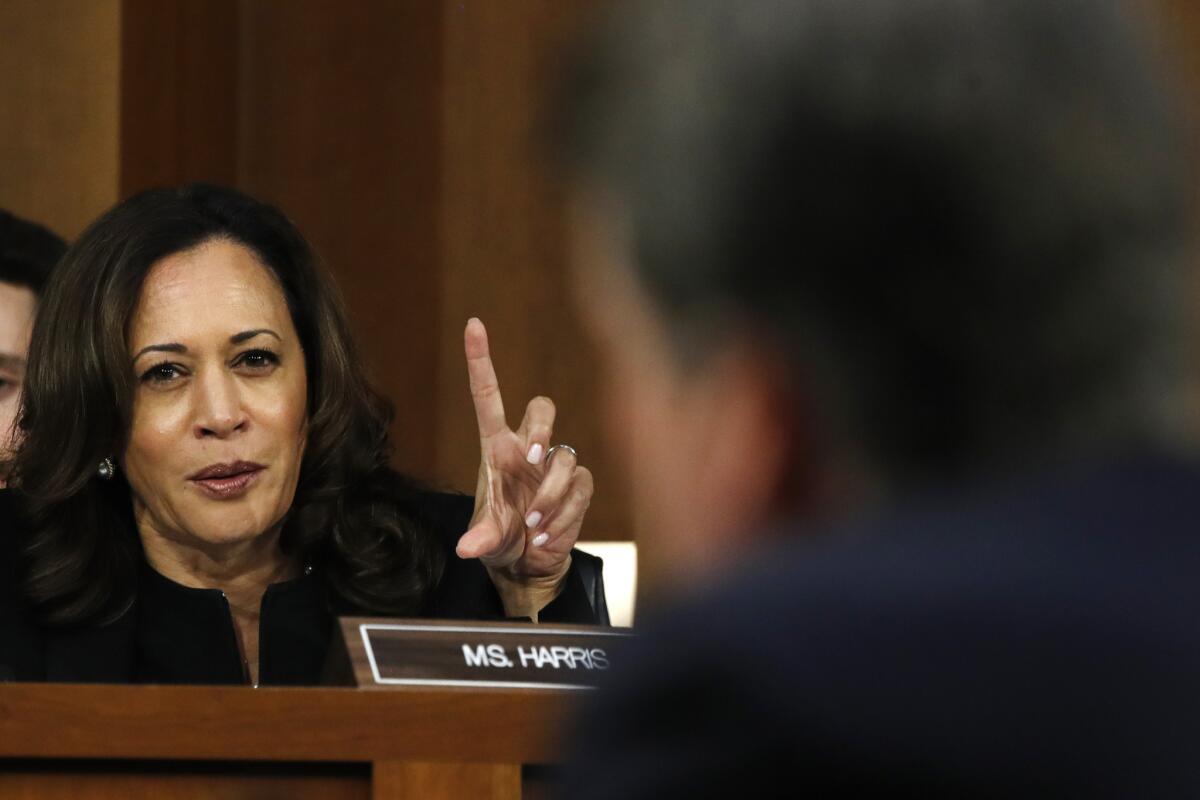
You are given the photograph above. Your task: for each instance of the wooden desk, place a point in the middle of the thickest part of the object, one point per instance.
(60, 740)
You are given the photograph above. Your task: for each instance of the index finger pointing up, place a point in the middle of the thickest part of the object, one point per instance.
(485, 389)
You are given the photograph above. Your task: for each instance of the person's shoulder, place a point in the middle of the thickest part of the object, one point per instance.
(13, 536)
(7, 504)
(12, 528)
(994, 556)
(902, 634)
(20, 642)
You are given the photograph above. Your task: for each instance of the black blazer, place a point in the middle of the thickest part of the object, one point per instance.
(176, 634)
(1033, 640)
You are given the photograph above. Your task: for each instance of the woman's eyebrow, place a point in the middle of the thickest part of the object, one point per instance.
(171, 347)
(238, 338)
(174, 347)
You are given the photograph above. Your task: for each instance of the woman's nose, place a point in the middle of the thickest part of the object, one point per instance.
(220, 412)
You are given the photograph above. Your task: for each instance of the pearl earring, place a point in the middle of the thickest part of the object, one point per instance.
(107, 469)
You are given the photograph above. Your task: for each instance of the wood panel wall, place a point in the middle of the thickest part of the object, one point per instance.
(504, 247)
(179, 92)
(59, 64)
(340, 128)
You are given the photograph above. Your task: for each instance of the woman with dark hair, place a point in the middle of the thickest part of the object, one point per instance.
(203, 479)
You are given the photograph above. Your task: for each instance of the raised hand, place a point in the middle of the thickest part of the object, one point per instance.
(528, 513)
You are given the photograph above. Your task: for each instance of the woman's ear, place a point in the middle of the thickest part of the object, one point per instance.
(762, 460)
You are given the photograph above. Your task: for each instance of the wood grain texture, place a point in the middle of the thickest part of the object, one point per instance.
(505, 254)
(179, 101)
(57, 780)
(317, 724)
(339, 127)
(59, 61)
(399, 780)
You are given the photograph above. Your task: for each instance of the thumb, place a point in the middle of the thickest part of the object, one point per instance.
(482, 539)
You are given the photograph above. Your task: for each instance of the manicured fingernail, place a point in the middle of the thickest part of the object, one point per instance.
(533, 519)
(540, 539)
(535, 454)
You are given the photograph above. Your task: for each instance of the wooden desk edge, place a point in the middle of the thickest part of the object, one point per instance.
(282, 724)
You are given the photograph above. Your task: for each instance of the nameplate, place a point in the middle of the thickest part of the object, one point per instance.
(383, 653)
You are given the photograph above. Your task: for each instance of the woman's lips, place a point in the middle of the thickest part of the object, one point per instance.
(229, 486)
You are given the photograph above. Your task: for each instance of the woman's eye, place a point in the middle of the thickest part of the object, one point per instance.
(8, 386)
(257, 360)
(161, 373)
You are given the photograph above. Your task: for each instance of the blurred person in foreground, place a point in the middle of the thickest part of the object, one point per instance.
(27, 252)
(892, 296)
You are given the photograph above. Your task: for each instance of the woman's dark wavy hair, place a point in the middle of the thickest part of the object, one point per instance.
(353, 517)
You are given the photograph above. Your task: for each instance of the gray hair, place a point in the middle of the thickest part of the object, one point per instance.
(966, 221)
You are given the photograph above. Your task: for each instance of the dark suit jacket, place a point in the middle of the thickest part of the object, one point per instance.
(1040, 640)
(177, 634)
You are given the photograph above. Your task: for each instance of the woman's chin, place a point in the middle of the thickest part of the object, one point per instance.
(221, 527)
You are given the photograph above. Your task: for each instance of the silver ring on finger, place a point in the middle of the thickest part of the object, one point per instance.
(550, 453)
